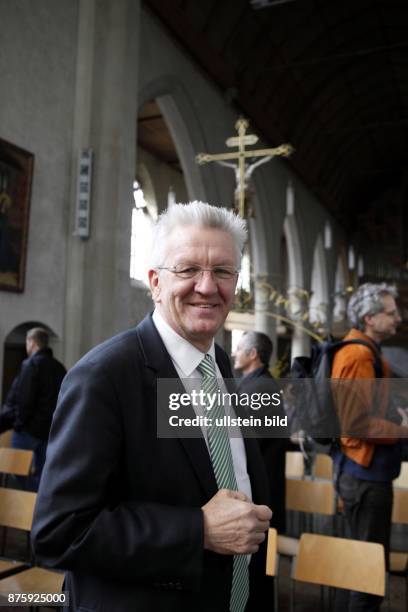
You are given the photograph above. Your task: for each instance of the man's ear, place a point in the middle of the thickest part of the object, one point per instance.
(253, 353)
(154, 283)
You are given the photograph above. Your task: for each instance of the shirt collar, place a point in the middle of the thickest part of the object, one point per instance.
(185, 356)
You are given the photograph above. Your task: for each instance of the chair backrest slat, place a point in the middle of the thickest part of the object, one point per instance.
(341, 563)
(323, 467)
(402, 480)
(400, 506)
(310, 496)
(294, 464)
(15, 461)
(5, 439)
(16, 508)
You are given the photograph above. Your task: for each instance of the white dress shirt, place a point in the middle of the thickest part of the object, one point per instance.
(186, 358)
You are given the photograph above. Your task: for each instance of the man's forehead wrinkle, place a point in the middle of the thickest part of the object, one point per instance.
(196, 253)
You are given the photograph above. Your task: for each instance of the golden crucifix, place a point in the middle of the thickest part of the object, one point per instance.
(242, 170)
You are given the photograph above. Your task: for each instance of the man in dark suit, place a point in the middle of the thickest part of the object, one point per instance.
(32, 399)
(141, 522)
(252, 358)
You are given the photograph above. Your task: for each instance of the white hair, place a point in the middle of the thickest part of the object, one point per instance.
(196, 214)
(367, 300)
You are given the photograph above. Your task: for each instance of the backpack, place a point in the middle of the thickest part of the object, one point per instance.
(314, 402)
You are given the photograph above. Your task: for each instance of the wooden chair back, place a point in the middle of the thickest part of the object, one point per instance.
(400, 506)
(310, 496)
(271, 552)
(341, 563)
(16, 508)
(5, 439)
(294, 464)
(323, 467)
(16, 461)
(402, 480)
(33, 580)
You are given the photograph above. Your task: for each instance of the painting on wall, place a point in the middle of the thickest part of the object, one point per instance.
(16, 171)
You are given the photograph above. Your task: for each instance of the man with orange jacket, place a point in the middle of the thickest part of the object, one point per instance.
(369, 457)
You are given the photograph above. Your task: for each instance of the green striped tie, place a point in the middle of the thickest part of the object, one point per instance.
(221, 458)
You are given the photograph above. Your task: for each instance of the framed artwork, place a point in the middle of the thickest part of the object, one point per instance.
(16, 172)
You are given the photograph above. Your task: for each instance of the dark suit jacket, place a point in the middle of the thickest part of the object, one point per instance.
(34, 393)
(273, 449)
(120, 509)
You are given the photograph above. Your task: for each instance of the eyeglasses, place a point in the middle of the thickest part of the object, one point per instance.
(187, 271)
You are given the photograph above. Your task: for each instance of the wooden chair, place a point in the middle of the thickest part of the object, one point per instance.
(340, 563)
(5, 439)
(30, 581)
(399, 560)
(16, 511)
(294, 464)
(15, 461)
(323, 467)
(272, 563)
(308, 496)
(400, 506)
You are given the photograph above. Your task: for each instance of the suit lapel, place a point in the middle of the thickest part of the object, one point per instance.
(161, 366)
(159, 362)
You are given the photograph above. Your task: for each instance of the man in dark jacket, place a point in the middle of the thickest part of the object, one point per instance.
(32, 399)
(141, 521)
(252, 358)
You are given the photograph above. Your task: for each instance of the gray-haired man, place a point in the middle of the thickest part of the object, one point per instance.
(141, 522)
(367, 465)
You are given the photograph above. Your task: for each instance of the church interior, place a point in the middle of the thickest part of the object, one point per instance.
(106, 106)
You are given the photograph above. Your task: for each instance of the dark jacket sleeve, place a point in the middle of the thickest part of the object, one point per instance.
(88, 516)
(11, 398)
(26, 393)
(8, 410)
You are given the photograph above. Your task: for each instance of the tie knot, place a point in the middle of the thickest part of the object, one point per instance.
(207, 367)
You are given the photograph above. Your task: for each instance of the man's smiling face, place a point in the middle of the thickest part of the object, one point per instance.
(197, 307)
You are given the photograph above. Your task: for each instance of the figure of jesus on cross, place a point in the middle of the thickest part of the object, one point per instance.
(242, 169)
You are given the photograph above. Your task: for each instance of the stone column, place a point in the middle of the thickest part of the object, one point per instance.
(264, 322)
(81, 138)
(300, 343)
(297, 309)
(105, 116)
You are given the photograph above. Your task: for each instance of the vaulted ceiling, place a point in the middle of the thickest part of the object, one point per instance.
(328, 76)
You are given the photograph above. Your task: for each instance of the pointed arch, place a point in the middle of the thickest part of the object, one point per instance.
(186, 132)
